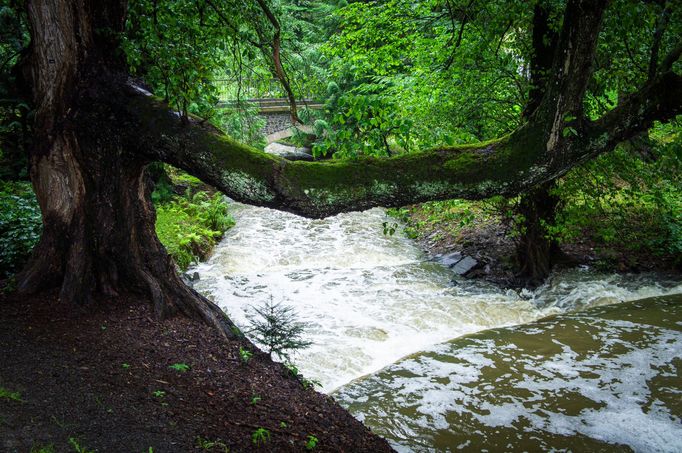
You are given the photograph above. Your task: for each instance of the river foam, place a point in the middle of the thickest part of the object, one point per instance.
(579, 379)
(369, 299)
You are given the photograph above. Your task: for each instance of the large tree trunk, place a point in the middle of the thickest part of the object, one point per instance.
(534, 249)
(98, 219)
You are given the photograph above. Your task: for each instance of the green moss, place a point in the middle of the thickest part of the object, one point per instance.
(247, 187)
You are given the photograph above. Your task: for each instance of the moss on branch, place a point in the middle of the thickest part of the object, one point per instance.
(318, 189)
(505, 166)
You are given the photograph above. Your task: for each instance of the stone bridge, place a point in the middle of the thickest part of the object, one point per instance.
(277, 114)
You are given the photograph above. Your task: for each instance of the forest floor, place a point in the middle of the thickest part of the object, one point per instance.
(101, 378)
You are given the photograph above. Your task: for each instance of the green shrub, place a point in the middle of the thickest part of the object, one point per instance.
(20, 225)
(261, 436)
(190, 226)
(623, 201)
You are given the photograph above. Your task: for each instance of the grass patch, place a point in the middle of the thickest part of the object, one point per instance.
(449, 217)
(7, 394)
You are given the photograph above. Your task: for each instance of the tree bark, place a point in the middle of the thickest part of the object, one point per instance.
(535, 249)
(98, 220)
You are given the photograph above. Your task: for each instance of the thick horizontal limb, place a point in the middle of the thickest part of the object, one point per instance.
(506, 166)
(318, 189)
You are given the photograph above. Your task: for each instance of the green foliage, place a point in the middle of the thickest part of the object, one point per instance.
(255, 399)
(7, 394)
(447, 217)
(390, 228)
(190, 226)
(245, 355)
(311, 442)
(78, 448)
(15, 112)
(162, 45)
(243, 123)
(20, 225)
(259, 437)
(293, 371)
(212, 445)
(159, 393)
(275, 327)
(43, 449)
(181, 367)
(621, 200)
(407, 75)
(365, 121)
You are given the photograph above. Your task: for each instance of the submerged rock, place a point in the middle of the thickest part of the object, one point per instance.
(460, 264)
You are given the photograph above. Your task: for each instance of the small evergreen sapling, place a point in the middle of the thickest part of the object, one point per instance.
(275, 327)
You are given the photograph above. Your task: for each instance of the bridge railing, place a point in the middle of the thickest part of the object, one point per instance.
(234, 89)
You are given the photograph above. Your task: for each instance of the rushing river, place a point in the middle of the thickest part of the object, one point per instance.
(386, 325)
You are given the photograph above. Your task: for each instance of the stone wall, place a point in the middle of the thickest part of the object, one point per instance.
(276, 122)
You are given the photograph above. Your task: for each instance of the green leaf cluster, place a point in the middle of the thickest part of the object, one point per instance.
(630, 199)
(190, 226)
(20, 225)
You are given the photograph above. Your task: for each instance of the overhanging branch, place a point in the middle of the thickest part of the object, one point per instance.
(506, 166)
(658, 100)
(318, 189)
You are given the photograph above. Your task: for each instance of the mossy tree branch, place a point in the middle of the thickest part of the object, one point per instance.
(506, 166)
(539, 151)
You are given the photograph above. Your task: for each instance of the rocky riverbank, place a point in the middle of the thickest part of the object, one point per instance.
(476, 242)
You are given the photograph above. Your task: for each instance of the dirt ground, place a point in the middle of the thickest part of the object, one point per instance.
(99, 378)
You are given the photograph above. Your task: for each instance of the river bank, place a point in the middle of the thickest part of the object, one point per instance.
(458, 228)
(109, 378)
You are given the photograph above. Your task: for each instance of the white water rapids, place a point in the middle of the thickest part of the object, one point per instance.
(370, 299)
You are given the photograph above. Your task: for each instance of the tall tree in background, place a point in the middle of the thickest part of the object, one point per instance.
(535, 250)
(96, 131)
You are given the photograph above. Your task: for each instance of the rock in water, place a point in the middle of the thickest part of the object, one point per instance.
(449, 259)
(464, 265)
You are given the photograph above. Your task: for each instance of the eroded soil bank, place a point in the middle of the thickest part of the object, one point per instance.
(102, 376)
